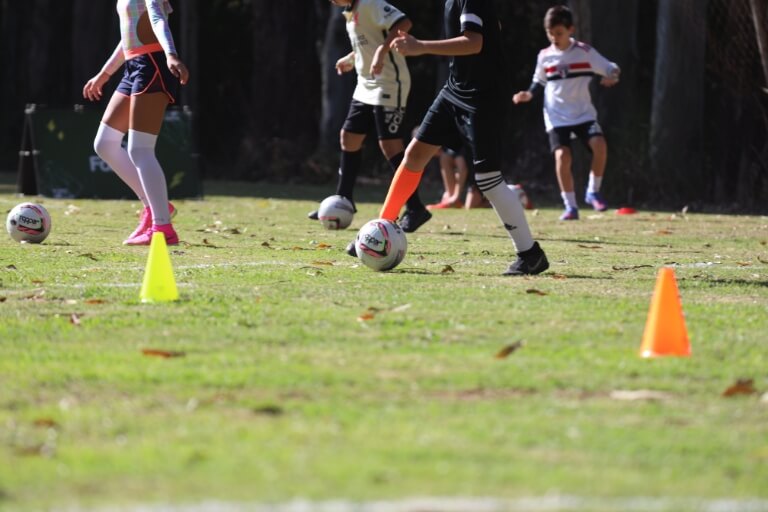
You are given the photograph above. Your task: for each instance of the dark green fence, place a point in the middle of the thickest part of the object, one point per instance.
(57, 158)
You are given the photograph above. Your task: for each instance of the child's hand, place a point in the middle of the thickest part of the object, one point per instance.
(522, 97)
(178, 69)
(609, 82)
(93, 88)
(344, 65)
(406, 45)
(378, 60)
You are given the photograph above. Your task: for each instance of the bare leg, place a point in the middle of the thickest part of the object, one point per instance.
(563, 162)
(599, 155)
(447, 171)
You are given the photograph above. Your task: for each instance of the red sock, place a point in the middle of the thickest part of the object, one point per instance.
(404, 184)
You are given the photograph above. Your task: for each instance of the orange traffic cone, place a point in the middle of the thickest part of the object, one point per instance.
(665, 333)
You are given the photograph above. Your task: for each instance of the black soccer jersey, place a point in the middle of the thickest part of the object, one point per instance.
(479, 77)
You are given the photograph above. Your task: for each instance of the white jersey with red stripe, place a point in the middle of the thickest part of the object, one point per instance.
(566, 76)
(368, 24)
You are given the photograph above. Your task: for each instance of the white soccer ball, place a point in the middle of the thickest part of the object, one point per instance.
(28, 222)
(381, 245)
(336, 212)
(524, 199)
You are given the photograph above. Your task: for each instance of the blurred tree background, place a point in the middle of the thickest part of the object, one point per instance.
(687, 125)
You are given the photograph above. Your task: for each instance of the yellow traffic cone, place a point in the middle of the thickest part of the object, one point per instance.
(159, 284)
(665, 333)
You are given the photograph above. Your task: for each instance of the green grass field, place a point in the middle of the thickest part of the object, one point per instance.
(303, 375)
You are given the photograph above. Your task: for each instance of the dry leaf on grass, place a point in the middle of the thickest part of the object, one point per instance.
(447, 270)
(152, 352)
(509, 349)
(45, 423)
(95, 301)
(269, 410)
(368, 314)
(323, 246)
(534, 291)
(207, 243)
(664, 232)
(589, 246)
(741, 387)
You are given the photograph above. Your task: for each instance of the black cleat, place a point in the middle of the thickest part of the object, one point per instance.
(414, 219)
(529, 263)
(313, 215)
(351, 249)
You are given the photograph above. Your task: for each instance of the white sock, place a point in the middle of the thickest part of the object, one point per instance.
(141, 148)
(508, 207)
(569, 199)
(108, 145)
(594, 183)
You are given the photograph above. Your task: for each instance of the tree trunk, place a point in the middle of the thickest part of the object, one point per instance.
(188, 39)
(759, 18)
(95, 34)
(619, 108)
(337, 90)
(676, 140)
(285, 76)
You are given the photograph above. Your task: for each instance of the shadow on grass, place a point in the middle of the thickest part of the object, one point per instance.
(712, 283)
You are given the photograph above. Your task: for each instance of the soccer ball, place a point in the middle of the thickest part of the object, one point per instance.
(381, 245)
(524, 199)
(336, 212)
(28, 222)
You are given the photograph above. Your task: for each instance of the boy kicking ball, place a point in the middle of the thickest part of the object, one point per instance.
(564, 71)
(470, 109)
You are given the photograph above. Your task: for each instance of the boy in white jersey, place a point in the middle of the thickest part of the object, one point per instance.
(383, 84)
(153, 73)
(564, 71)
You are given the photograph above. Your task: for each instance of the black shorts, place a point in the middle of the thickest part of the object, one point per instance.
(480, 132)
(363, 118)
(149, 73)
(562, 135)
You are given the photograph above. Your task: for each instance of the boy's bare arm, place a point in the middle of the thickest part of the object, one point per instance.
(401, 27)
(470, 43)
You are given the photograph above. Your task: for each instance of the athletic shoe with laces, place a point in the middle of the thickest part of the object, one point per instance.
(171, 238)
(570, 214)
(145, 222)
(595, 199)
(414, 219)
(529, 263)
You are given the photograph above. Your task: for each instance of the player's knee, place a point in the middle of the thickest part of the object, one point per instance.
(563, 155)
(598, 145)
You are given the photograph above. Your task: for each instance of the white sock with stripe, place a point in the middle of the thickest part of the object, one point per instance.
(508, 207)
